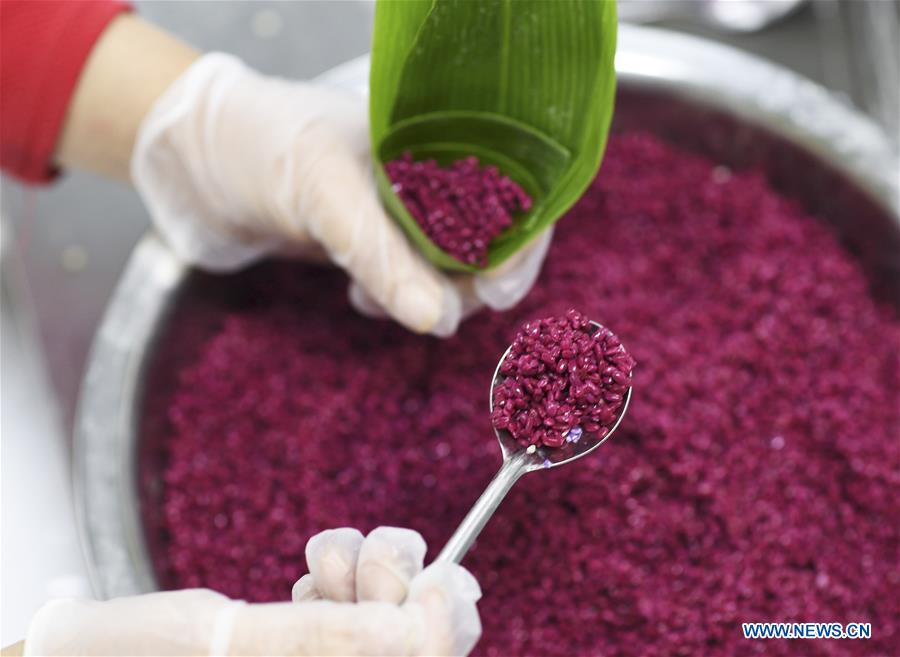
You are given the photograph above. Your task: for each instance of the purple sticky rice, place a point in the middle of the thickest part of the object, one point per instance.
(462, 207)
(755, 476)
(574, 434)
(561, 373)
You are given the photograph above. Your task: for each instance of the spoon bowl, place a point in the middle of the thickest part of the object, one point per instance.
(517, 460)
(550, 457)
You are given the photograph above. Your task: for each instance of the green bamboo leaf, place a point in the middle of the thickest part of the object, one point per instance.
(526, 85)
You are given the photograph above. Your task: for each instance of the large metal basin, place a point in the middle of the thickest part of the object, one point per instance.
(738, 109)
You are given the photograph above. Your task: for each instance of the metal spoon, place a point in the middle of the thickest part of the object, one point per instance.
(517, 460)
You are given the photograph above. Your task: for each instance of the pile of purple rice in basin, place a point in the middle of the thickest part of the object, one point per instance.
(754, 478)
(461, 207)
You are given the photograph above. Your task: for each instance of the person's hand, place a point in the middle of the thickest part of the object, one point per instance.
(363, 596)
(233, 165)
(437, 614)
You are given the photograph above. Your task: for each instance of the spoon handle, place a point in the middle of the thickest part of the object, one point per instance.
(471, 526)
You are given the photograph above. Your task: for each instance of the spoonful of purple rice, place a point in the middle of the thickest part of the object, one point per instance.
(559, 391)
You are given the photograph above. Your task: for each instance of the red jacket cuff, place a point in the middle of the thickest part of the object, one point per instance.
(44, 45)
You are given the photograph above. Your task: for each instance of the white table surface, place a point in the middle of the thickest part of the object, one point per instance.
(40, 555)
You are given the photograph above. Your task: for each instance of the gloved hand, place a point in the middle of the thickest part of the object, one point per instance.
(362, 597)
(233, 165)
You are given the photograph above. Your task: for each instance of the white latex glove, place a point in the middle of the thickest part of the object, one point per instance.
(233, 165)
(362, 597)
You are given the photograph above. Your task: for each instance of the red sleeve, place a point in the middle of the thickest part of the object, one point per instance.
(43, 47)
